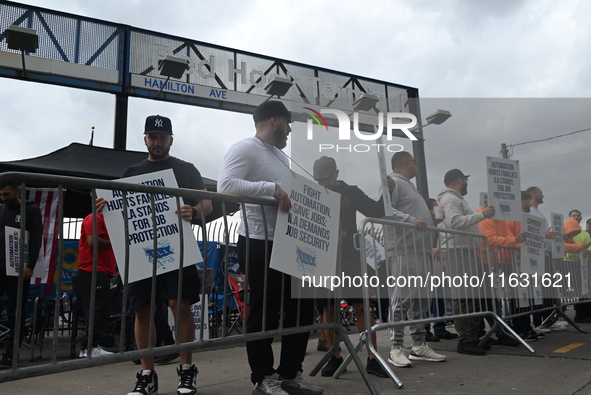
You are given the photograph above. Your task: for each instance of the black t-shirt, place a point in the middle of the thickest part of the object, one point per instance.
(353, 200)
(186, 174)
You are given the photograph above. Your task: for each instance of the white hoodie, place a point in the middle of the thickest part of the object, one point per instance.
(458, 216)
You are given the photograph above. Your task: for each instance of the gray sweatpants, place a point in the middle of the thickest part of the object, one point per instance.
(409, 302)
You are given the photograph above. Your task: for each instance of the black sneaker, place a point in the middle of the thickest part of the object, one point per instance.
(470, 348)
(430, 337)
(187, 380)
(322, 345)
(331, 366)
(447, 335)
(300, 386)
(147, 384)
(162, 359)
(6, 361)
(529, 336)
(374, 367)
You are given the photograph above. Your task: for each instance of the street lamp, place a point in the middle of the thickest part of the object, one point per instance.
(172, 66)
(365, 102)
(22, 39)
(278, 86)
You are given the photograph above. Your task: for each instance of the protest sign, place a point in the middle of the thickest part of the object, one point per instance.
(306, 238)
(12, 237)
(558, 241)
(504, 188)
(141, 231)
(374, 252)
(532, 249)
(198, 318)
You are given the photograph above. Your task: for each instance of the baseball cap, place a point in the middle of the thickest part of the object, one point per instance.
(453, 174)
(324, 167)
(271, 109)
(158, 123)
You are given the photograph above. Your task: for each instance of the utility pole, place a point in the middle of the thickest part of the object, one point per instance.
(504, 151)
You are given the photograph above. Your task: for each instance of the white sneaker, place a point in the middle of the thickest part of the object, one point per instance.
(83, 353)
(269, 386)
(98, 350)
(399, 358)
(542, 329)
(425, 353)
(558, 326)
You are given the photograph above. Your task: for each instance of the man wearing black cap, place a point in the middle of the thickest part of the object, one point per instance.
(253, 168)
(158, 139)
(459, 251)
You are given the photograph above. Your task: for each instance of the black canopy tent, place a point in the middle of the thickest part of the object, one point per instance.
(79, 160)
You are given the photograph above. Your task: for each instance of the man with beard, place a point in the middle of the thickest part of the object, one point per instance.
(10, 215)
(460, 253)
(253, 168)
(158, 139)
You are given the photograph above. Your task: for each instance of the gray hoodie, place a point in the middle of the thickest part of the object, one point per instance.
(458, 216)
(407, 205)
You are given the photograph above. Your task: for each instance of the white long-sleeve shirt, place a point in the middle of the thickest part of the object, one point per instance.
(252, 168)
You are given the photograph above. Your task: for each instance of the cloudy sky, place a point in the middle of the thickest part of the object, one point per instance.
(508, 71)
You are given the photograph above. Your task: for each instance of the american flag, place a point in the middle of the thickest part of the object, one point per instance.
(47, 200)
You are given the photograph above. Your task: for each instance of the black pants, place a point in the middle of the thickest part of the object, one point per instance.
(9, 285)
(293, 347)
(102, 306)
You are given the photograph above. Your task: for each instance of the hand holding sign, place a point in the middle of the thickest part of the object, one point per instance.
(489, 211)
(281, 196)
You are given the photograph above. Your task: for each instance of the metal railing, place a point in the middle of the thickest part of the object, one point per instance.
(59, 349)
(418, 270)
(541, 298)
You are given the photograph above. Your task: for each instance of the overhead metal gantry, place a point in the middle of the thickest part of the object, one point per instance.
(87, 53)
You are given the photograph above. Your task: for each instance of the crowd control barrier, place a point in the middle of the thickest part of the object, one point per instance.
(541, 298)
(230, 309)
(420, 268)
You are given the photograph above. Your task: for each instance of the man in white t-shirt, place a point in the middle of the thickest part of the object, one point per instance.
(253, 168)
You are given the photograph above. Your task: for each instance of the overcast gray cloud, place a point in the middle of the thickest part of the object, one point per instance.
(453, 50)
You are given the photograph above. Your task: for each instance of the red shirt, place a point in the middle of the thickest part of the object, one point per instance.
(106, 258)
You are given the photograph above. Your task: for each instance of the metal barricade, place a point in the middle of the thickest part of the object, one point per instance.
(540, 299)
(416, 273)
(272, 322)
